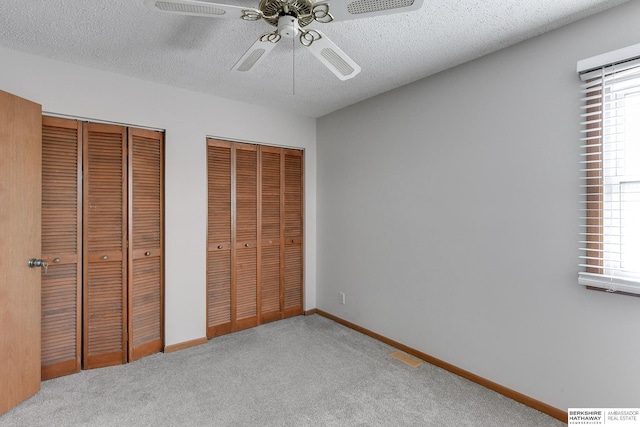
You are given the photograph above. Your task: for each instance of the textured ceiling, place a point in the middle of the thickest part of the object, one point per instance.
(127, 37)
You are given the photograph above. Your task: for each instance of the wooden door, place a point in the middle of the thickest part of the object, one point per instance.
(61, 246)
(271, 233)
(244, 251)
(232, 254)
(104, 246)
(293, 229)
(255, 235)
(146, 247)
(20, 172)
(219, 238)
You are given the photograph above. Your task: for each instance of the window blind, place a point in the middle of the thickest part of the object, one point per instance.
(610, 178)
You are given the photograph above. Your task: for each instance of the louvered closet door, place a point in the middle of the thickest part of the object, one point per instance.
(219, 238)
(61, 246)
(293, 226)
(145, 315)
(271, 232)
(254, 256)
(105, 266)
(244, 251)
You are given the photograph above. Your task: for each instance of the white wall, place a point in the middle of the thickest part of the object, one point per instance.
(188, 118)
(447, 213)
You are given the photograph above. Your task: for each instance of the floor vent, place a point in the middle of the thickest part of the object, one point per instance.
(405, 358)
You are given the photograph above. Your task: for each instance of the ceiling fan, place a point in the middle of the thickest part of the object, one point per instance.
(290, 19)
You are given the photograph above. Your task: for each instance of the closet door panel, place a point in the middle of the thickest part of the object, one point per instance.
(246, 294)
(61, 243)
(146, 331)
(146, 206)
(218, 293)
(293, 280)
(271, 233)
(105, 263)
(219, 238)
(104, 332)
(293, 238)
(246, 226)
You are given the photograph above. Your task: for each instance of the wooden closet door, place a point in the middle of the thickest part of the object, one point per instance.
(254, 252)
(293, 227)
(219, 238)
(244, 251)
(146, 248)
(105, 234)
(61, 246)
(271, 233)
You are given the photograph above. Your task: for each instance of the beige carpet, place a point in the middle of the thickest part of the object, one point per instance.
(303, 371)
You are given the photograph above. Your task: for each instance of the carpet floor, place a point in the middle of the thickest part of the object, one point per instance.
(302, 371)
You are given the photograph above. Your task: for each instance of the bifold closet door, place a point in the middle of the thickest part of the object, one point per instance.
(281, 175)
(105, 245)
(293, 232)
(232, 256)
(271, 233)
(245, 250)
(61, 246)
(255, 239)
(146, 247)
(219, 273)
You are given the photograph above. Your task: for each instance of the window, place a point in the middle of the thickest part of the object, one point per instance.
(610, 160)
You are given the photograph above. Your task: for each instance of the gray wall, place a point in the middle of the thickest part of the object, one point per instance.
(188, 118)
(447, 213)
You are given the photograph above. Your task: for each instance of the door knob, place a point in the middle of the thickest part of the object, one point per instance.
(34, 263)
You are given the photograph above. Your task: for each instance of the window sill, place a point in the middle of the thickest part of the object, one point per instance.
(611, 285)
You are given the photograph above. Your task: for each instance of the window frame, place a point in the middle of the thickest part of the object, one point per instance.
(595, 273)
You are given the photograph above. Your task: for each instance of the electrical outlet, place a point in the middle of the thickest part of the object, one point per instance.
(343, 298)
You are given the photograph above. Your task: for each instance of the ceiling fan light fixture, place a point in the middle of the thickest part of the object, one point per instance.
(288, 26)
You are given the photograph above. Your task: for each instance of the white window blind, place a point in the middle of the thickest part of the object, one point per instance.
(610, 181)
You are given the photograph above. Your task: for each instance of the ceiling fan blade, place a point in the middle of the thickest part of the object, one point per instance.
(356, 9)
(257, 52)
(330, 55)
(203, 8)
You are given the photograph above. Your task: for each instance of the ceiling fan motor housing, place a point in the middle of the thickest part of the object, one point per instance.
(274, 10)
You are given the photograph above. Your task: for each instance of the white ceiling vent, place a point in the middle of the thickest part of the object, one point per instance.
(199, 9)
(368, 6)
